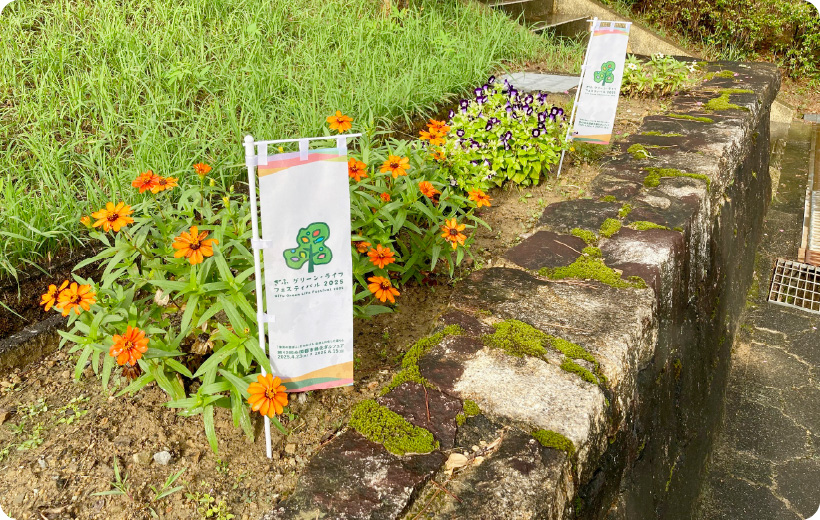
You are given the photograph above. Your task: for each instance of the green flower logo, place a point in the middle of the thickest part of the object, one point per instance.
(605, 75)
(311, 247)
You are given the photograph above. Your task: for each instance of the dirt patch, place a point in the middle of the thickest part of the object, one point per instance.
(60, 439)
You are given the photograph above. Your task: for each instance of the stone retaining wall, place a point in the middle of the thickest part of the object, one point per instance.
(560, 396)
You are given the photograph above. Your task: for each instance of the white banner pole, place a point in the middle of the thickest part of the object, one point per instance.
(250, 162)
(577, 94)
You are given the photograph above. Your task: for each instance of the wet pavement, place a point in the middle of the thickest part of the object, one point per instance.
(765, 462)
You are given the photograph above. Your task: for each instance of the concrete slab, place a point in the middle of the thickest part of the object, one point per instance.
(812, 118)
(531, 82)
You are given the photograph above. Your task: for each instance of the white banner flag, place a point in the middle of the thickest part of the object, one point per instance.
(305, 216)
(598, 97)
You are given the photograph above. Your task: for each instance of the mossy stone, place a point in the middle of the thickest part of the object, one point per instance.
(655, 174)
(518, 339)
(609, 227)
(692, 118)
(470, 408)
(568, 365)
(609, 198)
(661, 134)
(551, 439)
(625, 210)
(643, 225)
(584, 234)
(384, 426)
(639, 151)
(588, 267)
(410, 367)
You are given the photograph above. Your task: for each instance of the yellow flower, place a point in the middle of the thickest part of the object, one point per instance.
(77, 297)
(113, 217)
(382, 288)
(480, 198)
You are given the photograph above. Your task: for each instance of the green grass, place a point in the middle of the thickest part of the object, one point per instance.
(96, 92)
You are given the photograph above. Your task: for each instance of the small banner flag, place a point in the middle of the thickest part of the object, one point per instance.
(308, 269)
(597, 100)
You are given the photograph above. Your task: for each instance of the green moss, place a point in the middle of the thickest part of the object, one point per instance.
(661, 134)
(655, 174)
(379, 424)
(677, 367)
(589, 267)
(584, 234)
(678, 229)
(410, 368)
(470, 408)
(610, 227)
(639, 151)
(521, 339)
(571, 350)
(625, 210)
(609, 198)
(551, 439)
(592, 252)
(643, 225)
(736, 91)
(568, 365)
(460, 418)
(724, 74)
(691, 118)
(518, 339)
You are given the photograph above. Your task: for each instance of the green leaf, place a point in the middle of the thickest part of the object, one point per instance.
(214, 360)
(138, 383)
(208, 421)
(240, 384)
(241, 415)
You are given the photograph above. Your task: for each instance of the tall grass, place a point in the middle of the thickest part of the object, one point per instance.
(92, 92)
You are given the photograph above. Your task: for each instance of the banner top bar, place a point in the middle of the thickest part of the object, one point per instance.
(328, 138)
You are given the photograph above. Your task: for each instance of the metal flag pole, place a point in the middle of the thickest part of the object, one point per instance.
(577, 94)
(250, 162)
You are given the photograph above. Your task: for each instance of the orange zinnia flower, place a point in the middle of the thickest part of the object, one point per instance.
(437, 155)
(340, 122)
(202, 169)
(77, 297)
(85, 220)
(381, 256)
(164, 183)
(385, 196)
(427, 189)
(129, 347)
(52, 295)
(145, 181)
(193, 245)
(453, 232)
(268, 395)
(396, 166)
(434, 137)
(480, 198)
(356, 169)
(382, 288)
(113, 217)
(440, 127)
(362, 247)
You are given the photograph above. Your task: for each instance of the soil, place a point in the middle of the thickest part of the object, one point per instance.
(60, 440)
(802, 94)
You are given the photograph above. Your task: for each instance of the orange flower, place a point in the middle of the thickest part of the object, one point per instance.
(440, 127)
(385, 196)
(340, 122)
(396, 166)
(145, 181)
(453, 232)
(381, 256)
(437, 155)
(362, 247)
(428, 190)
(77, 297)
(113, 217)
(164, 183)
(356, 169)
(202, 169)
(434, 137)
(129, 347)
(268, 395)
(480, 198)
(85, 220)
(382, 288)
(193, 245)
(52, 295)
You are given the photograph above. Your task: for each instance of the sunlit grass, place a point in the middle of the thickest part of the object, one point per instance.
(94, 92)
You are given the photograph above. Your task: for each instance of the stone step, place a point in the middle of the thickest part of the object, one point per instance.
(567, 25)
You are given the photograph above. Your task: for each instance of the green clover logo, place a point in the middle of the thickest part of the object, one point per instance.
(605, 75)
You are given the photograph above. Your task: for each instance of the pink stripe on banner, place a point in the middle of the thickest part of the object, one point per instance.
(601, 32)
(326, 384)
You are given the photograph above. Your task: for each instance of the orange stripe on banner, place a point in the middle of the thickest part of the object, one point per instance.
(274, 165)
(340, 371)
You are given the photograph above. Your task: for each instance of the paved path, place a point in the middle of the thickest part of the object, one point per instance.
(765, 463)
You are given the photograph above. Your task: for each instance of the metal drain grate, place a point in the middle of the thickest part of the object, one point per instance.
(796, 285)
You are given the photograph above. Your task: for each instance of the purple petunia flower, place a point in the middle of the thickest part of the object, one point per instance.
(528, 111)
(451, 114)
(460, 132)
(464, 103)
(542, 116)
(535, 132)
(491, 80)
(489, 126)
(478, 91)
(528, 99)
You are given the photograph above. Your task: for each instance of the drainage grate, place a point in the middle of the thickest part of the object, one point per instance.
(796, 285)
